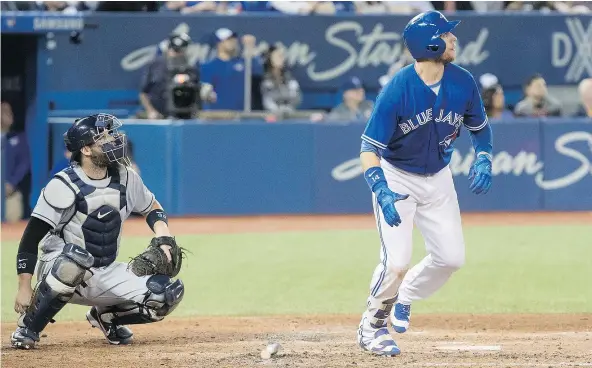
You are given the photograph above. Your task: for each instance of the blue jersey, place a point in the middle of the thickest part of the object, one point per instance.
(415, 128)
(228, 80)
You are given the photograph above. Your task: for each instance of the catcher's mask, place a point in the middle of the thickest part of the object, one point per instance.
(100, 129)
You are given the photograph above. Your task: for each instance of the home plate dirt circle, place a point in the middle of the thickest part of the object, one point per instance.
(464, 347)
(526, 341)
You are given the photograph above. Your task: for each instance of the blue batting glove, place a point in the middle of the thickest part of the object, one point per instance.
(480, 174)
(386, 197)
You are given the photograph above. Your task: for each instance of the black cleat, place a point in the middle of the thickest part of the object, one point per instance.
(115, 334)
(23, 338)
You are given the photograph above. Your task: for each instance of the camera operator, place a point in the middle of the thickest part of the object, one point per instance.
(171, 87)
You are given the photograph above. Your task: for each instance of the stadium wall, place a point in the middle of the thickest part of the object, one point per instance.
(232, 168)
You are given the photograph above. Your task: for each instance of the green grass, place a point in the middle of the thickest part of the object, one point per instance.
(509, 269)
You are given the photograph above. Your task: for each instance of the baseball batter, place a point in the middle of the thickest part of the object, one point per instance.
(78, 220)
(406, 149)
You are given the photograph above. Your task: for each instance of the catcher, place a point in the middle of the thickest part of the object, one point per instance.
(78, 220)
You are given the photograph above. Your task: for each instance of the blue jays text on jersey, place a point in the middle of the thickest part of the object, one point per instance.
(415, 126)
(427, 116)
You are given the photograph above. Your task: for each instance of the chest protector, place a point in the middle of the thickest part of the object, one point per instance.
(94, 220)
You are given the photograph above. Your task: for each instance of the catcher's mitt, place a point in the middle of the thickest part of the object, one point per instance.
(153, 261)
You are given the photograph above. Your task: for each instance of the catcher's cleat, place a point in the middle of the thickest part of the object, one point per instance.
(115, 334)
(23, 338)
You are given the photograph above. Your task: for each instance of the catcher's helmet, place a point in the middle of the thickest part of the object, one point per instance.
(100, 129)
(422, 34)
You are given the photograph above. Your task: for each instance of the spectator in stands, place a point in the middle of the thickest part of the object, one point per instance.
(17, 173)
(537, 101)
(572, 7)
(226, 72)
(354, 105)
(493, 97)
(304, 7)
(218, 7)
(344, 6)
(18, 6)
(452, 6)
(280, 92)
(125, 6)
(520, 6)
(231, 7)
(585, 92)
(67, 7)
(189, 7)
(256, 6)
(569, 7)
(392, 7)
(488, 6)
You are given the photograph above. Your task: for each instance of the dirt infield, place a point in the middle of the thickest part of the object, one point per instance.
(318, 341)
(558, 340)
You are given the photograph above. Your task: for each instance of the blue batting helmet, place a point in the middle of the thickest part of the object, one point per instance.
(422, 34)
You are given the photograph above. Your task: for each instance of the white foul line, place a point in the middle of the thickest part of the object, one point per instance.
(513, 364)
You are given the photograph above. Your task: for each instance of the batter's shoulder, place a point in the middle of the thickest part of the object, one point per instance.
(401, 78)
(404, 73)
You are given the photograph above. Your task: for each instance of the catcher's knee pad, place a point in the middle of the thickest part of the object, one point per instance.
(162, 298)
(57, 287)
(165, 295)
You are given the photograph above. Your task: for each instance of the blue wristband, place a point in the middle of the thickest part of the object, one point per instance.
(375, 177)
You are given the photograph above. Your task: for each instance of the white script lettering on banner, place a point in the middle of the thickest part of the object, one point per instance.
(583, 170)
(573, 48)
(376, 48)
(504, 163)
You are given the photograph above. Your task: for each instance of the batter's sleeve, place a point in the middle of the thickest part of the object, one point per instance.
(475, 117)
(53, 201)
(140, 197)
(383, 121)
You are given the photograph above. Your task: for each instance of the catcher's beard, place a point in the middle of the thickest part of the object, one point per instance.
(100, 160)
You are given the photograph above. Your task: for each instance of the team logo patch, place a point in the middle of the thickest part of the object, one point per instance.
(446, 144)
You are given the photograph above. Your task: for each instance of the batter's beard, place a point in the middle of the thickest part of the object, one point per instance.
(443, 60)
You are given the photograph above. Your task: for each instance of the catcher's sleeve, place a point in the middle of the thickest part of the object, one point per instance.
(141, 198)
(26, 257)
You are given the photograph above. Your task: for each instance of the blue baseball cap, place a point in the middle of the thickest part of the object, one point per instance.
(352, 83)
(223, 34)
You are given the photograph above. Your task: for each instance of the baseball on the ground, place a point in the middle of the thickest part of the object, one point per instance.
(270, 350)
